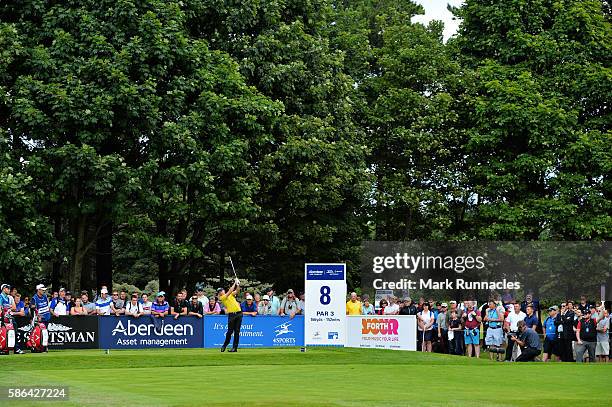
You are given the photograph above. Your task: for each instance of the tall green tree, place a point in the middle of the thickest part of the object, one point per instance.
(537, 118)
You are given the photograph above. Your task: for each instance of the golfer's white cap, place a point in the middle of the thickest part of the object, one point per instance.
(104, 291)
(266, 297)
(249, 297)
(41, 287)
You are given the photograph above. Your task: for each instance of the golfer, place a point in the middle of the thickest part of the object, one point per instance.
(234, 314)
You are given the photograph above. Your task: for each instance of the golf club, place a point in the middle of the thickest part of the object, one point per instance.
(233, 269)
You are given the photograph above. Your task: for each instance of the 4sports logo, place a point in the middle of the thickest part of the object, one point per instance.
(379, 326)
(284, 329)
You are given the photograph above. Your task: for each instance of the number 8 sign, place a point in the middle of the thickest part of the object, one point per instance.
(325, 319)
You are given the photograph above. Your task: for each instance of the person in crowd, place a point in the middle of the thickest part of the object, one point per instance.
(54, 295)
(529, 342)
(202, 298)
(566, 328)
(420, 304)
(584, 305)
(382, 305)
(507, 297)
(146, 304)
(453, 307)
(133, 308)
(301, 302)
(425, 321)
(20, 308)
(69, 300)
(602, 350)
(160, 308)
(78, 308)
(195, 307)
(274, 301)
(59, 306)
(511, 327)
(494, 317)
(471, 334)
(213, 307)
(9, 307)
(90, 307)
(289, 305)
(367, 308)
(531, 318)
(529, 300)
(104, 304)
(409, 307)
(248, 306)
(455, 343)
(485, 324)
(551, 335)
(179, 305)
(118, 303)
(265, 308)
(435, 309)
(40, 303)
(586, 336)
(392, 308)
(353, 306)
(443, 327)
(234, 315)
(123, 296)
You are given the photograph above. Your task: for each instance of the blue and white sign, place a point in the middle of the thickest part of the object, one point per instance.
(256, 331)
(135, 333)
(325, 289)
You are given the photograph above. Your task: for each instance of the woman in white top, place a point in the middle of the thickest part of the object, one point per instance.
(392, 308)
(133, 308)
(425, 321)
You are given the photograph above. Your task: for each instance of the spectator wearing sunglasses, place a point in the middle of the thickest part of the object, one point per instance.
(265, 307)
(289, 305)
(382, 304)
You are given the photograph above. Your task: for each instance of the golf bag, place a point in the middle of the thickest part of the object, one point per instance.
(38, 339)
(7, 333)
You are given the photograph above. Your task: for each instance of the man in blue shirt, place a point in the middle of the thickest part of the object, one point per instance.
(248, 306)
(40, 302)
(551, 338)
(532, 319)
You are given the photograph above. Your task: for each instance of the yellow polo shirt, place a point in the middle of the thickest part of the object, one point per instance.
(353, 308)
(230, 303)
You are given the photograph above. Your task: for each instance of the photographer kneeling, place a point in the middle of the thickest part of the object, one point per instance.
(529, 341)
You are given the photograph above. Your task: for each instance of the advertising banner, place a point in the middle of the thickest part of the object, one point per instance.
(256, 332)
(144, 332)
(325, 308)
(65, 332)
(381, 331)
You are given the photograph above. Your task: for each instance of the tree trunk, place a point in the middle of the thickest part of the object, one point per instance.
(104, 255)
(162, 263)
(57, 262)
(80, 250)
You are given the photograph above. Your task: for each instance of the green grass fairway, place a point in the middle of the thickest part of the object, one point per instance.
(318, 377)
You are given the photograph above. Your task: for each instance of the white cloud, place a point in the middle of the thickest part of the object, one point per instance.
(437, 10)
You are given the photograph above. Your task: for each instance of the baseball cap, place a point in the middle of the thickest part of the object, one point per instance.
(41, 287)
(104, 291)
(553, 308)
(444, 304)
(266, 297)
(453, 302)
(219, 290)
(249, 297)
(62, 289)
(5, 285)
(290, 291)
(161, 294)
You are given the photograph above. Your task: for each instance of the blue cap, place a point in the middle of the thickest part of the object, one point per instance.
(161, 294)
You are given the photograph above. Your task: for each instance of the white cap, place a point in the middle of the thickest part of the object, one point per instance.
(266, 297)
(249, 297)
(41, 287)
(104, 291)
(444, 304)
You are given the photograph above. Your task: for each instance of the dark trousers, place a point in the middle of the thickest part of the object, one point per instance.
(567, 352)
(234, 320)
(509, 348)
(528, 355)
(444, 340)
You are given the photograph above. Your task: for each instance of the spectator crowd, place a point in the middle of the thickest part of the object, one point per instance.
(509, 330)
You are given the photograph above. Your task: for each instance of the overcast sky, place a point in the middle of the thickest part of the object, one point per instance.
(436, 10)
